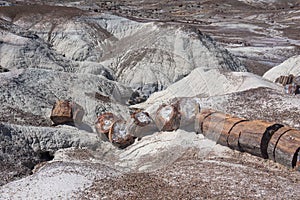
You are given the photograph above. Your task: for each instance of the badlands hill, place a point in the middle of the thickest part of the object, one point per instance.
(101, 61)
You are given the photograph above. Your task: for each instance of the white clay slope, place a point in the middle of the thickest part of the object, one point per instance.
(290, 66)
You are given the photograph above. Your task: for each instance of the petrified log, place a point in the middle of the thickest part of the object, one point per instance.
(168, 117)
(253, 137)
(284, 80)
(213, 124)
(188, 109)
(287, 148)
(66, 112)
(119, 134)
(104, 123)
(142, 124)
(274, 140)
(200, 119)
(218, 126)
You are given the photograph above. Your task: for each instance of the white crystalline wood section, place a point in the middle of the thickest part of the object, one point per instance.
(119, 134)
(167, 118)
(188, 108)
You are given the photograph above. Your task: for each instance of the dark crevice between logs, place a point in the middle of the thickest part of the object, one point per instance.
(45, 156)
(245, 120)
(238, 144)
(266, 139)
(296, 159)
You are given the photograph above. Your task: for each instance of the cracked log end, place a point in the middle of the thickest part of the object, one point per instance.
(167, 118)
(119, 134)
(104, 123)
(141, 118)
(142, 124)
(66, 112)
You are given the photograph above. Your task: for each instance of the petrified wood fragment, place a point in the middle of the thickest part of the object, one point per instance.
(212, 125)
(204, 113)
(66, 112)
(252, 137)
(218, 126)
(142, 124)
(274, 140)
(104, 123)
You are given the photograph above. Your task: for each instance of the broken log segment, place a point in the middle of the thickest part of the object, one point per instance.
(254, 136)
(141, 118)
(142, 124)
(287, 148)
(234, 135)
(212, 125)
(274, 140)
(104, 123)
(200, 117)
(217, 127)
(119, 134)
(167, 117)
(66, 112)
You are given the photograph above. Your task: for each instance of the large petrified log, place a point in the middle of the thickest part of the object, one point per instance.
(217, 127)
(286, 148)
(253, 136)
(66, 112)
(260, 138)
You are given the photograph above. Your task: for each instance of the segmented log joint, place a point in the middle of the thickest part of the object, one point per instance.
(260, 138)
